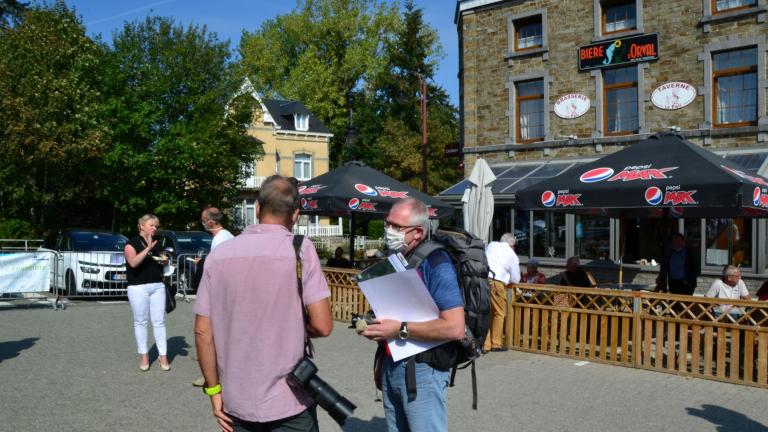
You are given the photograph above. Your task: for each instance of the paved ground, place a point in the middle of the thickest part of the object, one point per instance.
(75, 370)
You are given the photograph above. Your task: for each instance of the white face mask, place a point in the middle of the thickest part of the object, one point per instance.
(395, 239)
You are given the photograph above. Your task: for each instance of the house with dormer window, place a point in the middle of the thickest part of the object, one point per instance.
(295, 144)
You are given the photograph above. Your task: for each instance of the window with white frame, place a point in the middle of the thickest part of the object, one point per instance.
(301, 121)
(728, 5)
(302, 166)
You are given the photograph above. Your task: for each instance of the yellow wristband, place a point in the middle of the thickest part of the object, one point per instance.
(211, 391)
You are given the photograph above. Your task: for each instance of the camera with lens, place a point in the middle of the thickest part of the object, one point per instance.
(360, 322)
(304, 375)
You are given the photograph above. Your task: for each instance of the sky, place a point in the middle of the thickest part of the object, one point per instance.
(228, 18)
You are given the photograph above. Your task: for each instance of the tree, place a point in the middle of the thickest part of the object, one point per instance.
(390, 123)
(52, 135)
(324, 54)
(174, 149)
(11, 11)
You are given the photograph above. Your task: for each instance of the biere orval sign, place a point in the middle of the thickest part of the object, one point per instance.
(615, 52)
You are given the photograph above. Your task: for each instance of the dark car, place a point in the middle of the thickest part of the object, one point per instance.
(187, 247)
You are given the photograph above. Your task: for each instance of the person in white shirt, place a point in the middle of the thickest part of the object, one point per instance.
(729, 287)
(211, 220)
(505, 270)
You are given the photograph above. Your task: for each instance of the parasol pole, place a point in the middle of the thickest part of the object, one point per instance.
(622, 244)
(352, 239)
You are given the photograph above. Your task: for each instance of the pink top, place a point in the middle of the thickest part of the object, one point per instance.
(249, 291)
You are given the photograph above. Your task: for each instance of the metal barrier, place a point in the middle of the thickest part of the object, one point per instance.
(25, 273)
(88, 274)
(184, 275)
(682, 335)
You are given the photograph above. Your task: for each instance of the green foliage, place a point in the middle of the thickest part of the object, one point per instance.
(16, 229)
(174, 149)
(324, 54)
(390, 121)
(52, 134)
(11, 11)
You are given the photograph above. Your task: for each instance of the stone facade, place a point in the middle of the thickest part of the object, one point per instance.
(687, 34)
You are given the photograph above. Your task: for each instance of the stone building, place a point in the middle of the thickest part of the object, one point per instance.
(548, 84)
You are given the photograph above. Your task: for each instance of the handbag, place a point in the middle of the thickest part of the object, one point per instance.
(170, 298)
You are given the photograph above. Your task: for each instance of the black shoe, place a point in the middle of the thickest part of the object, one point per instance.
(500, 349)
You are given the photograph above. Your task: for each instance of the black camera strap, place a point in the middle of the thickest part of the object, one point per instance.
(297, 241)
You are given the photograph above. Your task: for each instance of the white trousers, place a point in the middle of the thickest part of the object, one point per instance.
(148, 302)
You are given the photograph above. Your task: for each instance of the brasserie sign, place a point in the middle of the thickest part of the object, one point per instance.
(614, 52)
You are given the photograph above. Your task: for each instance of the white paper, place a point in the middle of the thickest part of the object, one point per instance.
(717, 256)
(402, 296)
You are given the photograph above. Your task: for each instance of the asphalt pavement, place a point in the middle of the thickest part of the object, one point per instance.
(76, 370)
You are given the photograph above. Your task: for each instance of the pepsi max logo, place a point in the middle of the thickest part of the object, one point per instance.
(756, 196)
(653, 195)
(304, 203)
(596, 175)
(354, 203)
(432, 212)
(306, 190)
(365, 189)
(309, 204)
(548, 198)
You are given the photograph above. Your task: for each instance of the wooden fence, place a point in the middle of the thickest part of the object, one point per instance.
(675, 334)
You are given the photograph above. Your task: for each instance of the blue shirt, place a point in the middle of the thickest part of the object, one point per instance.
(439, 276)
(677, 264)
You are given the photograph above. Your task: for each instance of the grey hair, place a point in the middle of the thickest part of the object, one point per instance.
(147, 217)
(214, 215)
(278, 196)
(419, 213)
(508, 238)
(730, 270)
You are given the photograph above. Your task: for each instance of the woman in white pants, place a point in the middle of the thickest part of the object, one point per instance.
(146, 292)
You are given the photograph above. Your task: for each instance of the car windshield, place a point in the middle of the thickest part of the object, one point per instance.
(190, 243)
(84, 241)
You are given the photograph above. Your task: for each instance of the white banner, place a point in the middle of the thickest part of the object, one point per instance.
(25, 272)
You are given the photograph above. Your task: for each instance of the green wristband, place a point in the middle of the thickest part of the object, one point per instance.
(212, 391)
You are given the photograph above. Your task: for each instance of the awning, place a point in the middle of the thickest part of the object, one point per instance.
(511, 178)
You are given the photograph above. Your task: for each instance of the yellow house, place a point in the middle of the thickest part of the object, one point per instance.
(295, 144)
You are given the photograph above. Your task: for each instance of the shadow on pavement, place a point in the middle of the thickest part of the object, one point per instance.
(727, 420)
(177, 346)
(12, 349)
(376, 424)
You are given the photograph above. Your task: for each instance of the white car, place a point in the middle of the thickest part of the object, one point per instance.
(89, 262)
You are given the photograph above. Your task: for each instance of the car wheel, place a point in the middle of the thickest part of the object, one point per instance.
(71, 284)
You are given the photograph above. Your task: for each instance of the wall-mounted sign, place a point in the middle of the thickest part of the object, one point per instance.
(673, 95)
(571, 106)
(631, 49)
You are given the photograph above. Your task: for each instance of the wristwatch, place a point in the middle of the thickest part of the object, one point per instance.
(212, 391)
(403, 335)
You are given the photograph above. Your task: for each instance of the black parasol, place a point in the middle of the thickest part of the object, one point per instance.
(663, 175)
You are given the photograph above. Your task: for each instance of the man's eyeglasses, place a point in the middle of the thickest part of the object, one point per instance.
(398, 227)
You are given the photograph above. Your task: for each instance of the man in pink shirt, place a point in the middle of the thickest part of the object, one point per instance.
(249, 327)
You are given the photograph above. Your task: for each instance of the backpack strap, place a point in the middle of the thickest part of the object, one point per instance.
(297, 241)
(422, 251)
(410, 377)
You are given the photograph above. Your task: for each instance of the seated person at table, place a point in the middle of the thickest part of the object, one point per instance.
(730, 286)
(679, 267)
(762, 293)
(575, 276)
(338, 259)
(532, 274)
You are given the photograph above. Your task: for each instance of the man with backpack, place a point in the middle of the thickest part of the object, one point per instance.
(406, 229)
